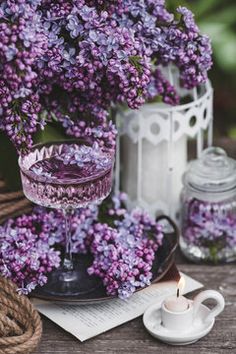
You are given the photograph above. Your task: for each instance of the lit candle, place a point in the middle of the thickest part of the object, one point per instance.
(177, 303)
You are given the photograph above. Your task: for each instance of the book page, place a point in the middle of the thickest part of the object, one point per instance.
(88, 321)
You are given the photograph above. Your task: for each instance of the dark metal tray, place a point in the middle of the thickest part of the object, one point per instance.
(163, 261)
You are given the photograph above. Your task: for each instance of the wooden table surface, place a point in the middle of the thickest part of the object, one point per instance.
(132, 337)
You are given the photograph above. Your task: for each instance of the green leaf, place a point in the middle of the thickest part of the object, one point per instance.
(232, 132)
(49, 133)
(225, 51)
(223, 42)
(213, 254)
(226, 15)
(135, 61)
(9, 168)
(213, 29)
(203, 7)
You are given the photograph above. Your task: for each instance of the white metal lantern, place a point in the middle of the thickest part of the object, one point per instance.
(152, 147)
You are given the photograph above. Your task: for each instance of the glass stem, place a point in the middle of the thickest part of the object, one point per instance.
(68, 257)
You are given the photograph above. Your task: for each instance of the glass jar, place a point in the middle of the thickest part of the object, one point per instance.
(208, 218)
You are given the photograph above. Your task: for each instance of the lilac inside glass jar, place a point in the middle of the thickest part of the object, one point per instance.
(208, 218)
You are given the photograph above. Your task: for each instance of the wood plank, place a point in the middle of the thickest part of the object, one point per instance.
(133, 338)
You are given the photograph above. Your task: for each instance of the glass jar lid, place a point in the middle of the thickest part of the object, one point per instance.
(213, 172)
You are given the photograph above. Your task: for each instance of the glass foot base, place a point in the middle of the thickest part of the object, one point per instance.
(199, 254)
(70, 283)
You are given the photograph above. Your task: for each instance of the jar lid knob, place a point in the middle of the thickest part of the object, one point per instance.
(214, 171)
(215, 157)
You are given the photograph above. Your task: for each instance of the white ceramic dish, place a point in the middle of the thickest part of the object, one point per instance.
(199, 329)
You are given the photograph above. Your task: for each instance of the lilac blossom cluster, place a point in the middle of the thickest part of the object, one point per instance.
(25, 253)
(123, 245)
(124, 253)
(209, 224)
(72, 60)
(86, 154)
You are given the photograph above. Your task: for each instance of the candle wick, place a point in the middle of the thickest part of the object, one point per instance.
(178, 292)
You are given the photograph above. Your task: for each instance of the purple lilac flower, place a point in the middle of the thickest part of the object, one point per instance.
(159, 86)
(209, 224)
(123, 253)
(123, 245)
(86, 154)
(74, 26)
(39, 171)
(77, 58)
(25, 254)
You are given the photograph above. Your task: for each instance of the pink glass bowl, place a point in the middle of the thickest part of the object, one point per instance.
(61, 194)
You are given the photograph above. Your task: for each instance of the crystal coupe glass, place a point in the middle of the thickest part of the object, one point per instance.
(67, 175)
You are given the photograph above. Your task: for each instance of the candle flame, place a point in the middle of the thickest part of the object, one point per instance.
(181, 284)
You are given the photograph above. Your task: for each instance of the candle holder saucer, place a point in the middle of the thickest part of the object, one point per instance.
(152, 320)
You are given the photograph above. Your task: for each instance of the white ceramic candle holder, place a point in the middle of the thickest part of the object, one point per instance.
(184, 327)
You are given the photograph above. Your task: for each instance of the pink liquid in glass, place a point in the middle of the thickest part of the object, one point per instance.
(50, 181)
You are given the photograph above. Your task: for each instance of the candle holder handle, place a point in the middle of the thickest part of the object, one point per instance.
(205, 295)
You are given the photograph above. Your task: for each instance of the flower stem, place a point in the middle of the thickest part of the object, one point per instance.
(68, 257)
